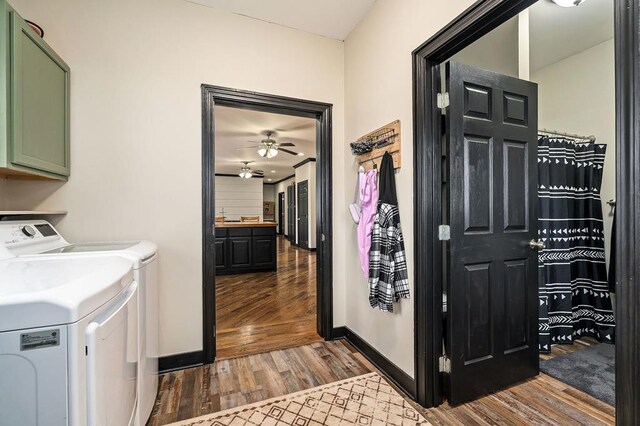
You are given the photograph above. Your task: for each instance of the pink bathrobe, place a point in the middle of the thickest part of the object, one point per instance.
(369, 201)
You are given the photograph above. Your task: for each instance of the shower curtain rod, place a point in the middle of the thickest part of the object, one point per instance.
(589, 138)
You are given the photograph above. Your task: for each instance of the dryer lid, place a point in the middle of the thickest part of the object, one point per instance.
(51, 291)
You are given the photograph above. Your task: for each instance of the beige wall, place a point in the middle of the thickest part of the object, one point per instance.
(577, 95)
(378, 91)
(137, 67)
(3, 193)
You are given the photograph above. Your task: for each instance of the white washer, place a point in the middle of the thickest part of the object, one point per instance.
(68, 341)
(39, 238)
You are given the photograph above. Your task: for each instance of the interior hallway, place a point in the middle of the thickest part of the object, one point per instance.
(263, 311)
(244, 380)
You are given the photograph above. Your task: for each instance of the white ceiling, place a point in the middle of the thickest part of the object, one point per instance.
(328, 18)
(239, 128)
(558, 32)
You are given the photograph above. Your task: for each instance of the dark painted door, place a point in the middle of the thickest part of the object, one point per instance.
(281, 213)
(291, 213)
(491, 337)
(303, 214)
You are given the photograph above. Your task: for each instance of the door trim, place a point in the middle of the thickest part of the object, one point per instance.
(213, 96)
(482, 17)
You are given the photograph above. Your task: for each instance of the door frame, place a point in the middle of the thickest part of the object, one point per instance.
(482, 17)
(281, 207)
(213, 96)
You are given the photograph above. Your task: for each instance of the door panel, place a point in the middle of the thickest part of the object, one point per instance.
(221, 254)
(492, 283)
(303, 214)
(239, 252)
(291, 213)
(264, 250)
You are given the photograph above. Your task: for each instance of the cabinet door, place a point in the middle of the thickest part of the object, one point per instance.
(40, 102)
(221, 254)
(264, 251)
(239, 252)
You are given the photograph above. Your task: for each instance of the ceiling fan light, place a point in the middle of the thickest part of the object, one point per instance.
(568, 3)
(262, 151)
(241, 174)
(272, 152)
(247, 175)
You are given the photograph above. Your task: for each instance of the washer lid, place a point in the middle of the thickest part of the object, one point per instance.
(136, 250)
(60, 290)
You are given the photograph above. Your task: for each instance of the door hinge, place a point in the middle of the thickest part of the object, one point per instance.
(444, 233)
(444, 364)
(442, 99)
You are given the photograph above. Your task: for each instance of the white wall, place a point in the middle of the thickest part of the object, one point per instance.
(238, 197)
(136, 71)
(378, 90)
(308, 172)
(282, 187)
(577, 95)
(496, 51)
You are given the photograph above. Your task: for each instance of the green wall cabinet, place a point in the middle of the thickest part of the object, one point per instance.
(34, 103)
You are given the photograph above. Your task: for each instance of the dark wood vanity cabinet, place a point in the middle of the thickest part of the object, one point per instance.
(242, 248)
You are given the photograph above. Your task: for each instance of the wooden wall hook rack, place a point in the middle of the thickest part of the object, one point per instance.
(384, 139)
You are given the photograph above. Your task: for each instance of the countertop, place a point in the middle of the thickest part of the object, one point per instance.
(246, 224)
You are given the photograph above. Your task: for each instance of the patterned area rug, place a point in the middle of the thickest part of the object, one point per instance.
(362, 400)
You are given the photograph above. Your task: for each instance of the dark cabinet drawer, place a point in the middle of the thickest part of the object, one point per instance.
(239, 232)
(264, 231)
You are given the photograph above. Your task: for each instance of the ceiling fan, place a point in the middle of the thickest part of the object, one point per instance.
(246, 172)
(269, 147)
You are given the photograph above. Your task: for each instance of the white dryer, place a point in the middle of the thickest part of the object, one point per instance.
(68, 342)
(39, 238)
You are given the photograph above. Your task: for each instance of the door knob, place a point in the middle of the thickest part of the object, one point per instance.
(536, 245)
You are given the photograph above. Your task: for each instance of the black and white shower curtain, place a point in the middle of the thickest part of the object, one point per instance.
(573, 290)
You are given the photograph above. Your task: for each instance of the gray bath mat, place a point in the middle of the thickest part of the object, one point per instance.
(591, 370)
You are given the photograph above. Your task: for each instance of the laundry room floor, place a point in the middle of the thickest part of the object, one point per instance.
(234, 382)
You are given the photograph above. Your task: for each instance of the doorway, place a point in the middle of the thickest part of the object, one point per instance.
(212, 98)
(432, 202)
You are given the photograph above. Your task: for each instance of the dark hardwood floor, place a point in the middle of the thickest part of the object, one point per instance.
(244, 380)
(263, 311)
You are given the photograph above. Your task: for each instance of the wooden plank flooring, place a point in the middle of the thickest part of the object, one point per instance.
(234, 382)
(263, 311)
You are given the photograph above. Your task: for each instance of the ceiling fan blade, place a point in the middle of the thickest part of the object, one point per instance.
(248, 147)
(287, 151)
(287, 144)
(260, 172)
(296, 140)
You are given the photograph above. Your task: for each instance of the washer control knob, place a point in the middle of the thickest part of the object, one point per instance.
(28, 231)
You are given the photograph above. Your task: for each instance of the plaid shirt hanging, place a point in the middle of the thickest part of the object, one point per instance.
(388, 276)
